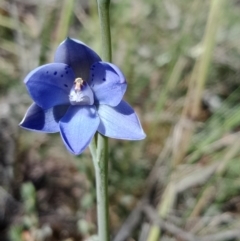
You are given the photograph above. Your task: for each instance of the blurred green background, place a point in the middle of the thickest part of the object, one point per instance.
(181, 59)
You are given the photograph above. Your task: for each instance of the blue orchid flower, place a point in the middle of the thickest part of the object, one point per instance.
(78, 95)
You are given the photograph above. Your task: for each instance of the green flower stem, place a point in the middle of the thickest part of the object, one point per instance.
(99, 145)
(103, 11)
(101, 173)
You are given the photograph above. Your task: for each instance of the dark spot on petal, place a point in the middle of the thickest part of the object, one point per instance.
(104, 79)
(66, 72)
(47, 72)
(61, 75)
(55, 73)
(65, 85)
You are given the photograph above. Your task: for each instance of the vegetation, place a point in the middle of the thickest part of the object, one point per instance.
(181, 61)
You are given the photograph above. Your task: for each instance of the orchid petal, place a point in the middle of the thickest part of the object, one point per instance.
(78, 126)
(120, 122)
(77, 55)
(49, 85)
(37, 119)
(108, 83)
